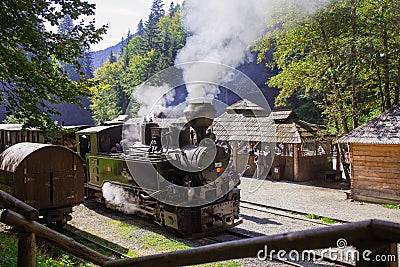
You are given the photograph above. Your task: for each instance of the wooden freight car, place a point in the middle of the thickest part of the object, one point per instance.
(47, 177)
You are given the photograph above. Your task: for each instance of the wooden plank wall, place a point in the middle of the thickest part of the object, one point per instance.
(375, 173)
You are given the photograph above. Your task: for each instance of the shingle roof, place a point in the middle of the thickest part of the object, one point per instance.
(384, 129)
(244, 104)
(241, 128)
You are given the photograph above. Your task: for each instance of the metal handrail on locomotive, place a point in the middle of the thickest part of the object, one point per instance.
(159, 158)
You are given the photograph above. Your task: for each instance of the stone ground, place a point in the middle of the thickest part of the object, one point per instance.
(323, 198)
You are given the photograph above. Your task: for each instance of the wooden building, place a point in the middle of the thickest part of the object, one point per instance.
(375, 158)
(11, 134)
(289, 144)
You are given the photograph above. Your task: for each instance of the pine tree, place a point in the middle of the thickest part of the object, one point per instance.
(151, 29)
(66, 25)
(112, 58)
(65, 28)
(129, 36)
(123, 45)
(171, 10)
(140, 28)
(158, 9)
(87, 65)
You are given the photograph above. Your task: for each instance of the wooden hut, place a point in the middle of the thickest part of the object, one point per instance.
(290, 144)
(375, 158)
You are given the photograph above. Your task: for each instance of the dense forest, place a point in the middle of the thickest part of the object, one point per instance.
(344, 60)
(33, 75)
(151, 49)
(338, 66)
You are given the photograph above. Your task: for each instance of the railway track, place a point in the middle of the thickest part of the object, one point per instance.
(295, 215)
(222, 237)
(284, 212)
(228, 235)
(80, 237)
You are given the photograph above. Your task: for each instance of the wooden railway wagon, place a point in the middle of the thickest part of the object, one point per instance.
(50, 178)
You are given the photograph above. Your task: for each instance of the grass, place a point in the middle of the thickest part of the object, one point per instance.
(149, 240)
(159, 243)
(123, 228)
(326, 220)
(391, 206)
(312, 216)
(44, 258)
(162, 243)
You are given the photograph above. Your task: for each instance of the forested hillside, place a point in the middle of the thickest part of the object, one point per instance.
(34, 60)
(343, 60)
(152, 49)
(336, 65)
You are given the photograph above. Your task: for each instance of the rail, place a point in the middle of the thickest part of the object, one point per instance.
(374, 236)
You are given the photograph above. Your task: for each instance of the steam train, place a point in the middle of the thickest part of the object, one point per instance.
(170, 170)
(182, 183)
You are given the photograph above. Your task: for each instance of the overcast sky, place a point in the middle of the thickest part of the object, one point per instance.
(121, 15)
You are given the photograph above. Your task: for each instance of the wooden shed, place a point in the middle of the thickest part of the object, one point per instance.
(291, 145)
(375, 158)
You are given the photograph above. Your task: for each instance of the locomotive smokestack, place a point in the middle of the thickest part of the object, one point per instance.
(200, 115)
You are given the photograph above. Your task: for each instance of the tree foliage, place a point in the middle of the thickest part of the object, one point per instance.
(31, 81)
(146, 53)
(344, 59)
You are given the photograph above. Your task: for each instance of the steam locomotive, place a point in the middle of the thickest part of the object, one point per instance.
(170, 170)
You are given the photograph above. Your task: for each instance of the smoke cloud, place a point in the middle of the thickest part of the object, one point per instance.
(221, 31)
(154, 99)
(120, 199)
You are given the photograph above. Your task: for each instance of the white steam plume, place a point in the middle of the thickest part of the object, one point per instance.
(154, 99)
(120, 199)
(221, 31)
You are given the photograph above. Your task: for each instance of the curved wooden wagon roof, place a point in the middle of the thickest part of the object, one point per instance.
(13, 156)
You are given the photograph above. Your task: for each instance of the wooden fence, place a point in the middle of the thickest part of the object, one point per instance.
(378, 237)
(22, 218)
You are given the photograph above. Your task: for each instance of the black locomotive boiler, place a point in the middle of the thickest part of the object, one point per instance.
(47, 177)
(172, 171)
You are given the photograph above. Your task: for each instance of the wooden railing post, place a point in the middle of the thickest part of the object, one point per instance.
(375, 253)
(26, 250)
(62, 242)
